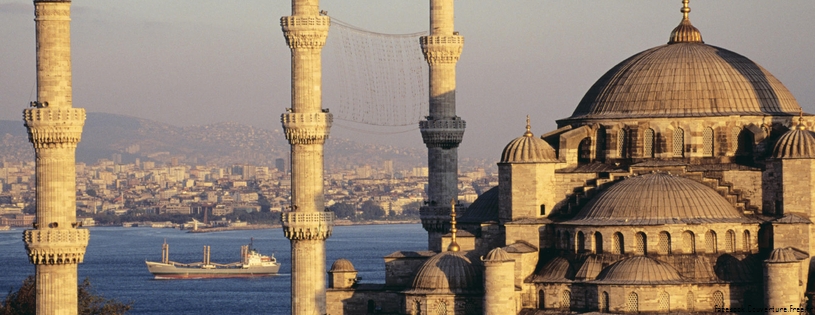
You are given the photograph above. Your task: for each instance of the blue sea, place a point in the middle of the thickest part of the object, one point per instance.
(114, 263)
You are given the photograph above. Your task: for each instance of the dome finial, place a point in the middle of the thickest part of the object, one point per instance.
(801, 125)
(528, 132)
(453, 245)
(685, 32)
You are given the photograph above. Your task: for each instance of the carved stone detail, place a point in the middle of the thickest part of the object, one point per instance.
(306, 128)
(442, 49)
(56, 246)
(57, 127)
(442, 133)
(307, 225)
(305, 32)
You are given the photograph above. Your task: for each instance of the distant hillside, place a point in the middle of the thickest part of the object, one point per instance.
(218, 144)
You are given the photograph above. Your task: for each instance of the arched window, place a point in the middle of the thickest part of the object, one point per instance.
(632, 305)
(746, 241)
(734, 139)
(598, 243)
(707, 142)
(604, 302)
(718, 299)
(648, 143)
(600, 146)
(710, 242)
(664, 243)
(541, 299)
(566, 300)
(417, 308)
(745, 143)
(691, 301)
(584, 151)
(621, 143)
(580, 242)
(441, 308)
(664, 302)
(688, 242)
(679, 142)
(730, 241)
(567, 240)
(618, 244)
(642, 244)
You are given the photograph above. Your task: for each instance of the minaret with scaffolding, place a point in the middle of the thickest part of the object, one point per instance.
(306, 126)
(56, 244)
(442, 130)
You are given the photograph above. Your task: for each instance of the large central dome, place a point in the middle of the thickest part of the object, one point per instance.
(685, 78)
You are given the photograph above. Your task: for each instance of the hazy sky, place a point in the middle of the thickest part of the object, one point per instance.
(190, 62)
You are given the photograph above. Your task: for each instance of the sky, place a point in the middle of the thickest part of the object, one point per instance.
(188, 62)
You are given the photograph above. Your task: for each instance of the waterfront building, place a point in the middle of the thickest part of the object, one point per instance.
(681, 183)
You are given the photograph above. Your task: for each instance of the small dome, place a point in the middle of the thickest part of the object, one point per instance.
(657, 198)
(448, 272)
(731, 269)
(497, 255)
(639, 270)
(797, 143)
(557, 269)
(528, 149)
(483, 209)
(341, 265)
(782, 255)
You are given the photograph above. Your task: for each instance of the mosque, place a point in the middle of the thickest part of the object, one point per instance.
(681, 183)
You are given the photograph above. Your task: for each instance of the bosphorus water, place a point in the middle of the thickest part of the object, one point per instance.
(114, 263)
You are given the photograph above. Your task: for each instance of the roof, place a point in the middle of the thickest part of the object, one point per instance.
(497, 255)
(342, 265)
(797, 143)
(528, 149)
(654, 199)
(556, 270)
(685, 78)
(639, 270)
(448, 272)
(483, 209)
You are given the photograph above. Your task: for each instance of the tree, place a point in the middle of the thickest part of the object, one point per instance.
(343, 210)
(411, 209)
(372, 211)
(22, 301)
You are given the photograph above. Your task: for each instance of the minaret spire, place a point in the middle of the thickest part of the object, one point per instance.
(453, 230)
(528, 132)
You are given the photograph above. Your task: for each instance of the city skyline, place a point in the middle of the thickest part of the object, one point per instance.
(168, 64)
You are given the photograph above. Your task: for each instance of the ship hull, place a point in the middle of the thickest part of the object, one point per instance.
(170, 271)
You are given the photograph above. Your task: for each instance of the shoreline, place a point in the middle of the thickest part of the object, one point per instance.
(277, 226)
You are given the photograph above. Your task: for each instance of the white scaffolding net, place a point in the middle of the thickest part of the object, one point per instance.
(374, 79)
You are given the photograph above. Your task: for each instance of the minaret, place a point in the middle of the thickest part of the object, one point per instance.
(443, 130)
(55, 245)
(307, 125)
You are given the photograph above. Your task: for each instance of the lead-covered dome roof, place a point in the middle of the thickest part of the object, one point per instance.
(797, 143)
(685, 78)
(654, 199)
(528, 149)
(448, 272)
(639, 270)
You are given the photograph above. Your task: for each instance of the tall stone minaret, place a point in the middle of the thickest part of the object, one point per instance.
(55, 245)
(307, 125)
(443, 130)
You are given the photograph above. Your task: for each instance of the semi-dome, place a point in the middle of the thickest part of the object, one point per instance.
(657, 198)
(528, 149)
(685, 78)
(639, 270)
(342, 265)
(448, 272)
(782, 255)
(797, 143)
(483, 209)
(556, 270)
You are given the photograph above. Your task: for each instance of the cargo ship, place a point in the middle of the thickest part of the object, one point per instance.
(252, 264)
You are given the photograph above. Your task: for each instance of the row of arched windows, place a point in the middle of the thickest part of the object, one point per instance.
(741, 143)
(664, 243)
(632, 301)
